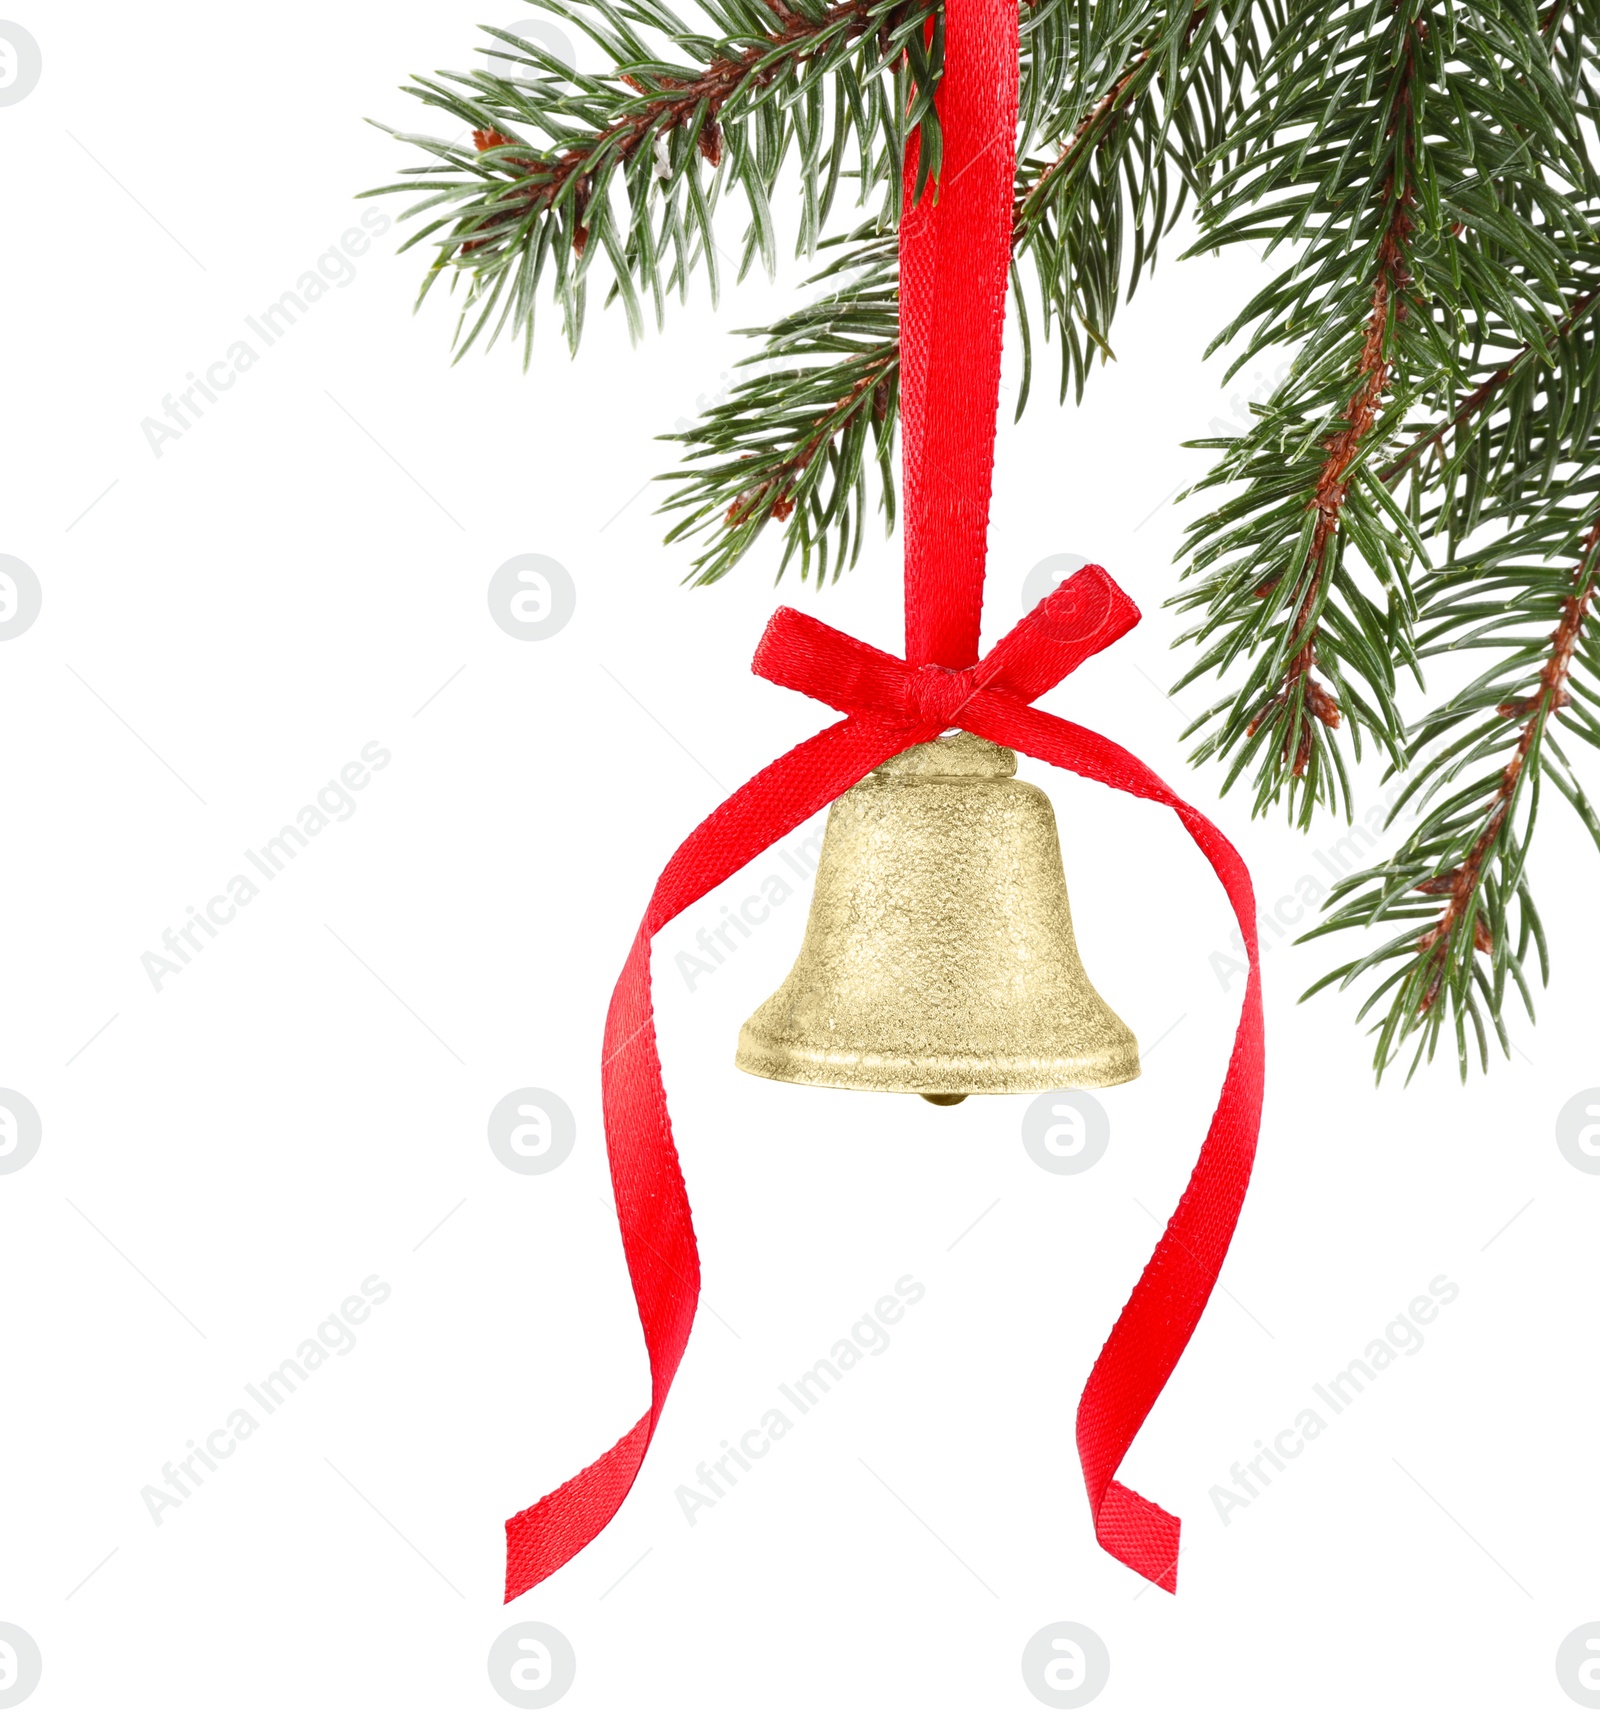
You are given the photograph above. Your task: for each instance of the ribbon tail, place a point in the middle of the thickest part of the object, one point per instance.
(1171, 1295)
(652, 1203)
(558, 1526)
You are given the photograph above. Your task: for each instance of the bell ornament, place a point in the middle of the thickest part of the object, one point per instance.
(939, 957)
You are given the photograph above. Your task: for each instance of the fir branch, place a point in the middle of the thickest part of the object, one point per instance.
(1422, 487)
(1462, 873)
(1515, 455)
(1392, 148)
(793, 443)
(1079, 287)
(796, 437)
(1158, 90)
(1485, 395)
(1518, 460)
(1301, 701)
(633, 164)
(1282, 584)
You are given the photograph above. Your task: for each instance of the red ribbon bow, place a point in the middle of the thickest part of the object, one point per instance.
(1076, 620)
(954, 257)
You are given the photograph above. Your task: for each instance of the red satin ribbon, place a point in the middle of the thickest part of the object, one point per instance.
(954, 257)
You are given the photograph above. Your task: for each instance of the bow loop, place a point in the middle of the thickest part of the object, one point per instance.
(805, 655)
(1077, 619)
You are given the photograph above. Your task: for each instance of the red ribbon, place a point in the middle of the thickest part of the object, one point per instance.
(954, 256)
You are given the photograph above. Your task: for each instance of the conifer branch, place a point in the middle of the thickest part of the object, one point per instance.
(1422, 486)
(1462, 873)
(566, 167)
(1301, 698)
(1462, 883)
(1391, 147)
(1484, 395)
(798, 434)
(758, 458)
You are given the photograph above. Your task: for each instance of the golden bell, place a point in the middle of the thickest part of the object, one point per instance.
(939, 957)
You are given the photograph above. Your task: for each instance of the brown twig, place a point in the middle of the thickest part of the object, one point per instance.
(670, 105)
(1106, 105)
(1485, 392)
(1548, 695)
(779, 485)
(1327, 499)
(1316, 702)
(875, 378)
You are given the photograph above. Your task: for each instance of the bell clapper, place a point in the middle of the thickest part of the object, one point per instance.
(944, 1099)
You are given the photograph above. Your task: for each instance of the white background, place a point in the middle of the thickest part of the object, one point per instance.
(229, 1158)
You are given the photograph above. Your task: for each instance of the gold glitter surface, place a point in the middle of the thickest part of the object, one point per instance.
(939, 957)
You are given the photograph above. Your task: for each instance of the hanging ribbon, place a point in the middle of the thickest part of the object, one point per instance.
(954, 257)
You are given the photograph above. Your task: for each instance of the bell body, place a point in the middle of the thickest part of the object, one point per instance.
(939, 957)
